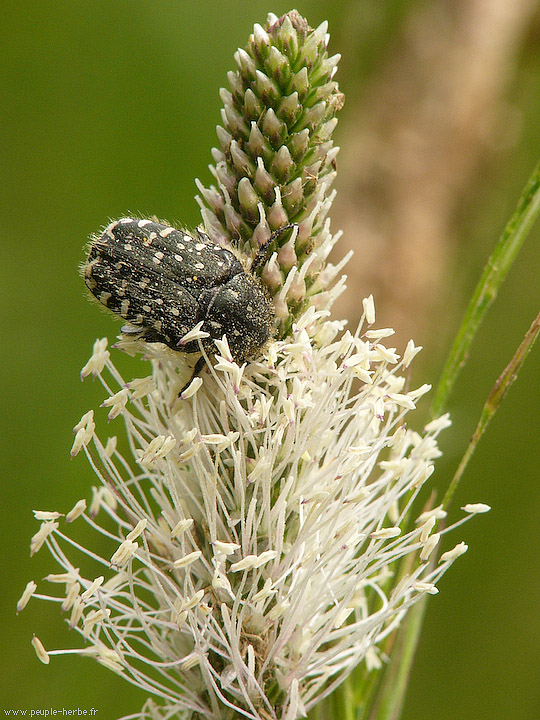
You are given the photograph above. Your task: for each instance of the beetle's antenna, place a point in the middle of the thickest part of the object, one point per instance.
(262, 252)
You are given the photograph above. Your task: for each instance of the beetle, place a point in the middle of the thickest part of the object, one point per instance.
(164, 281)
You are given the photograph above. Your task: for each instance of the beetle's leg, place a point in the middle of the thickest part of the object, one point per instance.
(199, 365)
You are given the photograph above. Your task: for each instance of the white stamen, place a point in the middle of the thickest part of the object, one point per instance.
(77, 510)
(251, 562)
(40, 651)
(29, 590)
(187, 559)
(476, 508)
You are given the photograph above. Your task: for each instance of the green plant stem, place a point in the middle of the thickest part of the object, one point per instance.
(495, 398)
(486, 291)
(391, 697)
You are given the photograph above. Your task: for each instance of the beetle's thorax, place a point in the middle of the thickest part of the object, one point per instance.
(241, 310)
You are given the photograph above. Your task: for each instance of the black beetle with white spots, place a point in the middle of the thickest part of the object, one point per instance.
(164, 281)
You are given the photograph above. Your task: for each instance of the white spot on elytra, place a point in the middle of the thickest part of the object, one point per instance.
(142, 223)
(166, 232)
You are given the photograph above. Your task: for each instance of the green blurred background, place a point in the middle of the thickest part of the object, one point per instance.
(111, 107)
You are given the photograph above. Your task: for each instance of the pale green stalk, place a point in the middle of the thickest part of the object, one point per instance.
(493, 402)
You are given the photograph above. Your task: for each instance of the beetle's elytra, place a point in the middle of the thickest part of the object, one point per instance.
(165, 281)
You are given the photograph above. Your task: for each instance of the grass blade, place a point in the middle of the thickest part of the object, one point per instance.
(486, 291)
(494, 401)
